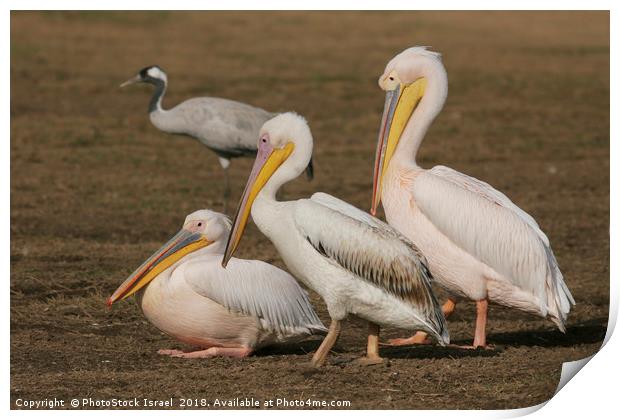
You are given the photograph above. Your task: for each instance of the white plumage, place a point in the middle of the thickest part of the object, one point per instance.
(486, 224)
(358, 264)
(479, 244)
(257, 289)
(371, 250)
(221, 311)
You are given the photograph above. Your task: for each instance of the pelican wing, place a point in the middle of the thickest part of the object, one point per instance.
(257, 289)
(486, 191)
(370, 250)
(486, 224)
(347, 209)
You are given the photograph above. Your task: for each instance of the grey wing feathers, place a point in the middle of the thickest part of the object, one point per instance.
(371, 250)
(229, 128)
(222, 124)
(258, 289)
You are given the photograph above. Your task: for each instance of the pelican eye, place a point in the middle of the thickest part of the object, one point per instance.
(199, 224)
(392, 78)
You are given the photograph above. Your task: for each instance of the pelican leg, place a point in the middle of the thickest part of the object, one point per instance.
(421, 337)
(236, 352)
(372, 349)
(320, 356)
(480, 336)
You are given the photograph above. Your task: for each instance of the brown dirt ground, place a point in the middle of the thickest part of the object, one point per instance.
(95, 188)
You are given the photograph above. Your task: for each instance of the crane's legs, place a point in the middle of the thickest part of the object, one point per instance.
(421, 337)
(320, 356)
(372, 349)
(226, 190)
(225, 165)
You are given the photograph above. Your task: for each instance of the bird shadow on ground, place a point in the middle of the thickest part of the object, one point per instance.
(584, 333)
(300, 349)
(418, 351)
(391, 352)
(588, 332)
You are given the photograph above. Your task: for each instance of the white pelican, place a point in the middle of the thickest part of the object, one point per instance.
(185, 292)
(358, 264)
(478, 243)
(229, 128)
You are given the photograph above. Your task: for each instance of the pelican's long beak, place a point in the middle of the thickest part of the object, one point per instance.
(131, 81)
(399, 106)
(268, 160)
(176, 248)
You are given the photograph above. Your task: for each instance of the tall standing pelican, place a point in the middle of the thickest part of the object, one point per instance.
(184, 291)
(229, 128)
(478, 243)
(358, 264)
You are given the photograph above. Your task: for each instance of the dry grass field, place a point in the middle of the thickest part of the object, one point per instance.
(95, 189)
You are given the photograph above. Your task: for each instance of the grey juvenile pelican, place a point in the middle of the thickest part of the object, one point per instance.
(184, 291)
(229, 128)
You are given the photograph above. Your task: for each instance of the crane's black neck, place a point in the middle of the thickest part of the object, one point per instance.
(160, 89)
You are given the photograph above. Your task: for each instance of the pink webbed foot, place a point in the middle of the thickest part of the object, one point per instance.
(169, 352)
(238, 352)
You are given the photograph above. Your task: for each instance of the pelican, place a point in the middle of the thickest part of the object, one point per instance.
(183, 290)
(228, 128)
(358, 264)
(478, 243)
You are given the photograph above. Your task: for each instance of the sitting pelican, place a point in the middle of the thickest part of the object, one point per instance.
(229, 128)
(358, 264)
(478, 243)
(185, 292)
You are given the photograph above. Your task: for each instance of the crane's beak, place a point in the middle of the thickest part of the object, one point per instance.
(176, 248)
(399, 106)
(131, 81)
(268, 160)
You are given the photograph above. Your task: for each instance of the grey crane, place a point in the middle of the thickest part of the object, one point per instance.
(229, 128)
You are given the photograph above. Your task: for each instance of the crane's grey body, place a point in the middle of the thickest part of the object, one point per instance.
(229, 128)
